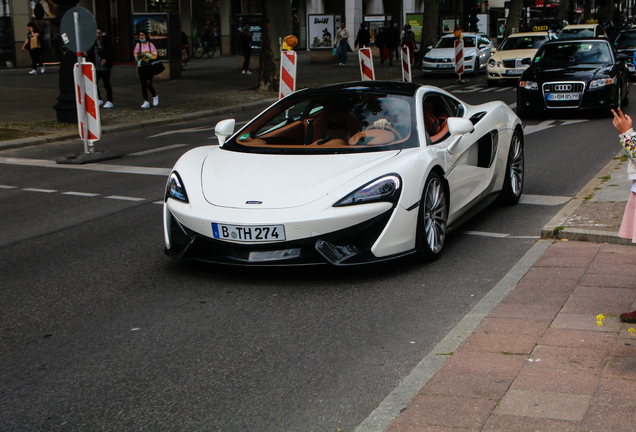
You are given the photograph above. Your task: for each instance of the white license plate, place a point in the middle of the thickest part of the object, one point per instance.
(263, 233)
(514, 71)
(445, 66)
(563, 96)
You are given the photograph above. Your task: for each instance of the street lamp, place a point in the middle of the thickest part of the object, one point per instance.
(65, 106)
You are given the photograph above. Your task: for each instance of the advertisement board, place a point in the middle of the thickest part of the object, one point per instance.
(482, 24)
(256, 27)
(416, 21)
(157, 27)
(322, 31)
(448, 25)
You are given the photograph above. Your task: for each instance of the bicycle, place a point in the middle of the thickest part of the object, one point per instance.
(206, 46)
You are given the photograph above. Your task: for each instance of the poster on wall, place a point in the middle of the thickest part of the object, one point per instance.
(448, 25)
(416, 21)
(43, 9)
(321, 31)
(374, 24)
(501, 27)
(157, 27)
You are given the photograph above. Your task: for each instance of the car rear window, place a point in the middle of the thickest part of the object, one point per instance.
(449, 42)
(343, 122)
(576, 33)
(527, 42)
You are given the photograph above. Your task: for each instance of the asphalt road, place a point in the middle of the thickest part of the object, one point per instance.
(101, 331)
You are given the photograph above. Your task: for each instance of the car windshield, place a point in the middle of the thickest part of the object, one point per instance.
(527, 42)
(569, 54)
(576, 33)
(338, 122)
(449, 42)
(625, 40)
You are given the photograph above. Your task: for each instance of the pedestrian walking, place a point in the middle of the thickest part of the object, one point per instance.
(185, 58)
(408, 40)
(145, 52)
(363, 39)
(623, 123)
(380, 42)
(342, 43)
(392, 42)
(245, 37)
(102, 55)
(33, 44)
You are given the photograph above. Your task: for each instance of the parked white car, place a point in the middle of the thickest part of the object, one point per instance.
(440, 58)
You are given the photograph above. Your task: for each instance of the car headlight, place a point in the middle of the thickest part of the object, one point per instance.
(175, 188)
(529, 85)
(491, 63)
(468, 58)
(602, 82)
(385, 188)
(428, 59)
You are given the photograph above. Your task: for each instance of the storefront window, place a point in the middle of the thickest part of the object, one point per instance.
(205, 21)
(167, 6)
(6, 35)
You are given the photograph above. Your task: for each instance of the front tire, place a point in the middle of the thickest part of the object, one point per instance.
(513, 182)
(431, 225)
(198, 52)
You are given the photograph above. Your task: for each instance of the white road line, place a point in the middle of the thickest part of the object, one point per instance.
(513, 105)
(192, 130)
(547, 124)
(503, 89)
(569, 122)
(7, 187)
(124, 198)
(159, 149)
(548, 200)
(120, 169)
(486, 90)
(39, 190)
(158, 202)
(84, 194)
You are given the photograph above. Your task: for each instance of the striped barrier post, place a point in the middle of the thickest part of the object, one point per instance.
(406, 65)
(366, 64)
(86, 102)
(288, 65)
(459, 57)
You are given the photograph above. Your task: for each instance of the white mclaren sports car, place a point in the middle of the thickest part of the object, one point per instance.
(345, 174)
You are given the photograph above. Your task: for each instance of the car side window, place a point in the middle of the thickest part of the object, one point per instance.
(455, 107)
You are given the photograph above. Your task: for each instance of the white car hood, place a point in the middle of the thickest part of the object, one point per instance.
(232, 179)
(448, 53)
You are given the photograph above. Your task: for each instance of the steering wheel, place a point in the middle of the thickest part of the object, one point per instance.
(387, 126)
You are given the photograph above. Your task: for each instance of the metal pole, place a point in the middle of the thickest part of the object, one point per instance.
(87, 147)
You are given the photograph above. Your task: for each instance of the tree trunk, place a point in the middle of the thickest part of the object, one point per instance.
(564, 9)
(430, 25)
(277, 24)
(514, 17)
(587, 10)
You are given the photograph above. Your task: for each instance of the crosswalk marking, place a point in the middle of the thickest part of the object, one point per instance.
(124, 198)
(158, 149)
(120, 169)
(39, 190)
(84, 194)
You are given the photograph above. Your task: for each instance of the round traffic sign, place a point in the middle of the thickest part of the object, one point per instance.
(87, 29)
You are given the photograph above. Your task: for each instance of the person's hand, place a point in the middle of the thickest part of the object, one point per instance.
(622, 122)
(103, 61)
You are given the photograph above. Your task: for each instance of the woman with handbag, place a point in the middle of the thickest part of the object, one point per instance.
(623, 124)
(32, 43)
(144, 53)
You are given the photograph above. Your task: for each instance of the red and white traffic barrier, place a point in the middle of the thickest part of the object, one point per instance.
(87, 102)
(287, 73)
(459, 57)
(366, 64)
(406, 65)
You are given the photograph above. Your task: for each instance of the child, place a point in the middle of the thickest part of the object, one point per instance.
(627, 135)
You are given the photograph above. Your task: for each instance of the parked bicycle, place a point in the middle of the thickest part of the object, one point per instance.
(206, 46)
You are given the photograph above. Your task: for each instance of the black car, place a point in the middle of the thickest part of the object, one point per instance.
(584, 74)
(625, 43)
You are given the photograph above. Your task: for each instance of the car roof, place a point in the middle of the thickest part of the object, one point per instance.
(528, 34)
(579, 26)
(389, 87)
(572, 40)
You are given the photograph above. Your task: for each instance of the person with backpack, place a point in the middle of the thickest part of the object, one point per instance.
(144, 53)
(32, 43)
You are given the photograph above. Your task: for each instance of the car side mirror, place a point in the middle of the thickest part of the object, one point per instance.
(526, 61)
(430, 47)
(224, 129)
(458, 127)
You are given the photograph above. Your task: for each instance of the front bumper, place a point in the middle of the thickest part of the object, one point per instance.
(501, 73)
(589, 99)
(442, 68)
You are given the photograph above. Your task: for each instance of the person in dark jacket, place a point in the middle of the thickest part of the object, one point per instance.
(245, 37)
(363, 39)
(392, 42)
(102, 55)
(408, 40)
(380, 42)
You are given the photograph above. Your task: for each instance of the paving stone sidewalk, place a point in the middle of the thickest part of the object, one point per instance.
(540, 361)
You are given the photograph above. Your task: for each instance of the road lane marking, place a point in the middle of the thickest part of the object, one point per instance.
(124, 198)
(119, 169)
(486, 90)
(547, 124)
(8, 187)
(503, 89)
(39, 190)
(547, 200)
(158, 149)
(84, 194)
(513, 105)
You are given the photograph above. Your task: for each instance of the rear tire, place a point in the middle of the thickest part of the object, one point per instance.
(211, 50)
(431, 222)
(513, 182)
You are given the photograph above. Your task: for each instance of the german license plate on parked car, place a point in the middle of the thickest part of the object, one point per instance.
(563, 96)
(264, 233)
(514, 71)
(445, 66)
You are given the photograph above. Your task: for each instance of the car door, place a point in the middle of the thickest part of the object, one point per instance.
(466, 172)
